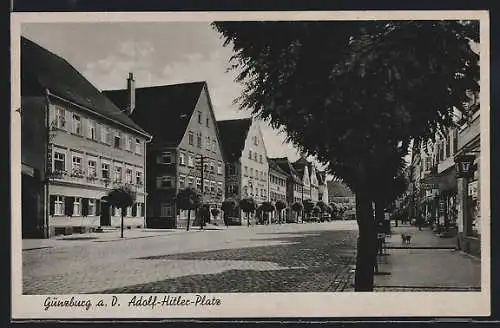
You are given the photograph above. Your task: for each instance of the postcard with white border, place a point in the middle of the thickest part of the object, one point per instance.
(250, 164)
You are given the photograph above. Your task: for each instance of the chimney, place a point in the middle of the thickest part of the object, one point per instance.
(130, 93)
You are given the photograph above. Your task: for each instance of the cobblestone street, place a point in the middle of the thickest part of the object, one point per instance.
(275, 258)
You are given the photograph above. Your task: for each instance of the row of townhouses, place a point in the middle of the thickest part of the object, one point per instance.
(445, 180)
(78, 143)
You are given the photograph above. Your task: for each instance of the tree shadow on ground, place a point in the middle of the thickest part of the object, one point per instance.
(319, 262)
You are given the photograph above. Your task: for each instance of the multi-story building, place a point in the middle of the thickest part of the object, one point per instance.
(277, 183)
(293, 185)
(181, 119)
(301, 166)
(322, 187)
(468, 191)
(76, 146)
(247, 170)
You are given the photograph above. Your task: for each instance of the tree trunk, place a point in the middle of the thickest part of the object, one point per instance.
(189, 219)
(122, 226)
(248, 219)
(367, 243)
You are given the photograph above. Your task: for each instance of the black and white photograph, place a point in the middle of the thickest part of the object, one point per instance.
(250, 165)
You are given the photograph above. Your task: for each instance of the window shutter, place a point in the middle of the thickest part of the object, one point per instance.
(134, 209)
(85, 206)
(52, 204)
(97, 207)
(68, 205)
(142, 209)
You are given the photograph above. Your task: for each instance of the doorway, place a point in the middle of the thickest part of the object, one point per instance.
(105, 215)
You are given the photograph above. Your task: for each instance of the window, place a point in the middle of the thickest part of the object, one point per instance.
(60, 117)
(116, 211)
(77, 124)
(105, 170)
(91, 132)
(191, 160)
(255, 156)
(118, 174)
(212, 166)
(190, 181)
(59, 161)
(165, 158)
(182, 158)
(206, 186)
(213, 186)
(129, 143)
(182, 181)
(129, 211)
(117, 141)
(260, 159)
(128, 176)
(92, 207)
(246, 170)
(199, 117)
(198, 139)
(76, 164)
(92, 168)
(198, 183)
(77, 206)
(249, 154)
(138, 178)
(448, 145)
(255, 141)
(207, 121)
(251, 172)
(256, 174)
(104, 134)
(214, 145)
(164, 182)
(59, 205)
(191, 138)
(208, 143)
(165, 210)
(138, 146)
(219, 167)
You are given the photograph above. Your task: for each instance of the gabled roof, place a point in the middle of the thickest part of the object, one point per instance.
(300, 164)
(42, 69)
(274, 166)
(233, 134)
(286, 166)
(164, 110)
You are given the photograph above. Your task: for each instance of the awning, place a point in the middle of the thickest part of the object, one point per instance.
(446, 181)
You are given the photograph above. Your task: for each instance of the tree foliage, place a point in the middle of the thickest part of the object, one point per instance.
(297, 207)
(228, 205)
(248, 205)
(300, 76)
(121, 197)
(188, 199)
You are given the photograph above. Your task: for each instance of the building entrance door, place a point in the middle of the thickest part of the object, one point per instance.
(105, 215)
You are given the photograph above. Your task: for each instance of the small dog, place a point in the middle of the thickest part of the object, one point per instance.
(405, 239)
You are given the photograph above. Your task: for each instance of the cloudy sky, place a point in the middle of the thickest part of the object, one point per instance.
(157, 54)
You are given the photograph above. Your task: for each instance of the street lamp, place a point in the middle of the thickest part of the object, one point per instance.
(464, 165)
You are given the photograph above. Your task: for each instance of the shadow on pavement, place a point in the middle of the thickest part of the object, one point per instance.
(315, 262)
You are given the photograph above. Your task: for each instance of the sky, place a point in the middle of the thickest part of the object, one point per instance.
(158, 54)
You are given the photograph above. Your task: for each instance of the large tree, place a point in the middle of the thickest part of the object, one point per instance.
(381, 84)
(122, 198)
(188, 199)
(280, 206)
(248, 206)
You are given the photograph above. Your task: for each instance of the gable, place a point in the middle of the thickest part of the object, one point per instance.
(202, 122)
